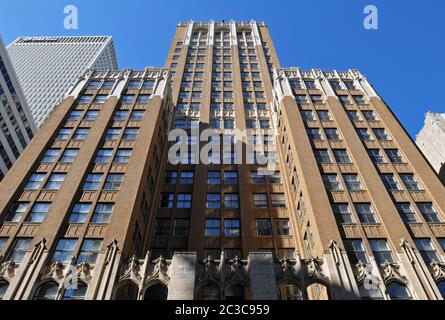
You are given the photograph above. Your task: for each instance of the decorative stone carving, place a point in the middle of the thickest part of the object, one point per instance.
(160, 271)
(315, 272)
(237, 271)
(438, 270)
(54, 272)
(7, 270)
(391, 272)
(84, 272)
(288, 273)
(132, 270)
(210, 272)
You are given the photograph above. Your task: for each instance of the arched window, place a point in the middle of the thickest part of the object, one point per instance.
(398, 291)
(290, 292)
(3, 287)
(156, 292)
(210, 292)
(441, 286)
(371, 293)
(76, 294)
(235, 292)
(47, 291)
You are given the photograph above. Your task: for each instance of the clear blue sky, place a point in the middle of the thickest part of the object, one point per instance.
(404, 59)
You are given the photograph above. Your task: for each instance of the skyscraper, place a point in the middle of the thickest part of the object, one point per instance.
(17, 125)
(37, 59)
(345, 207)
(431, 141)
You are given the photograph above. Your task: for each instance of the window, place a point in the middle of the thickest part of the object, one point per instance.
(181, 228)
(148, 84)
(342, 213)
(353, 115)
(162, 227)
(92, 182)
(38, 212)
(257, 178)
(94, 85)
(301, 99)
(64, 250)
(390, 182)
(120, 115)
(137, 115)
(317, 99)
(64, 134)
(108, 84)
(264, 124)
(394, 156)
(113, 134)
(89, 251)
(184, 200)
(341, 156)
(381, 251)
(260, 200)
(429, 213)
(356, 251)
(398, 291)
(294, 84)
(143, 98)
(85, 99)
(381, 134)
(186, 177)
(352, 182)
(307, 115)
(278, 200)
(263, 227)
(123, 155)
(103, 213)
(127, 99)
(376, 156)
(350, 85)
(69, 156)
(100, 99)
(16, 212)
(81, 134)
(35, 181)
(134, 84)
(50, 155)
(80, 212)
(364, 134)
(231, 228)
(370, 115)
(212, 228)
(75, 115)
(314, 134)
(214, 177)
(331, 182)
(55, 181)
(130, 134)
(360, 100)
(166, 200)
(370, 293)
(310, 84)
(47, 291)
(427, 250)
(324, 115)
(4, 287)
(213, 200)
(171, 177)
(335, 84)
(283, 227)
(231, 201)
(332, 134)
(406, 213)
(18, 250)
(410, 182)
(322, 156)
(114, 182)
(91, 115)
(103, 156)
(440, 285)
(365, 213)
(230, 177)
(344, 99)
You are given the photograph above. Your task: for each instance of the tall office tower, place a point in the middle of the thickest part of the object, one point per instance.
(431, 139)
(37, 59)
(16, 123)
(346, 207)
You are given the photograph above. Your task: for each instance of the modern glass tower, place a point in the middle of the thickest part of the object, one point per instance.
(348, 207)
(37, 59)
(16, 123)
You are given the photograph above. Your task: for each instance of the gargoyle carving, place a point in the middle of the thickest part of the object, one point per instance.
(391, 272)
(315, 272)
(132, 270)
(160, 271)
(210, 271)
